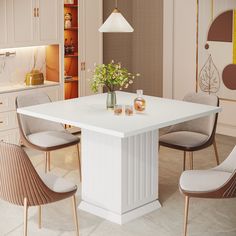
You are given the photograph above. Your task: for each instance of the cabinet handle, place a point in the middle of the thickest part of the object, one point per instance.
(82, 65)
(34, 12)
(1, 103)
(1, 122)
(37, 12)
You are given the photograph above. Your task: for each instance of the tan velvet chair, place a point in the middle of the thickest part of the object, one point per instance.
(196, 134)
(219, 182)
(40, 134)
(21, 185)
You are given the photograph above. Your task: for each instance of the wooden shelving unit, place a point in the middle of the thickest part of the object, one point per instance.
(71, 5)
(71, 59)
(72, 28)
(72, 55)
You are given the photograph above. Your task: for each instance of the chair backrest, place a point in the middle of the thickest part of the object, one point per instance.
(19, 179)
(205, 125)
(228, 190)
(229, 164)
(29, 125)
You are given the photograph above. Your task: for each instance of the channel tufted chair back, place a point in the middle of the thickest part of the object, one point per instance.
(21, 185)
(19, 179)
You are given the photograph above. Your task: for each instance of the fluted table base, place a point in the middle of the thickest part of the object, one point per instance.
(120, 175)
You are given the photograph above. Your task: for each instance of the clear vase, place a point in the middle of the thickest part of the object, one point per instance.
(111, 100)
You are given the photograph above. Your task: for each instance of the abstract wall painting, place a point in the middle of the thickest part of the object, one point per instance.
(216, 61)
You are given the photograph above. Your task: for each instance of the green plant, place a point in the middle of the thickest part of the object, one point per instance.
(111, 76)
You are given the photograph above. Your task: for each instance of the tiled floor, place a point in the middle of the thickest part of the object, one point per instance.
(207, 217)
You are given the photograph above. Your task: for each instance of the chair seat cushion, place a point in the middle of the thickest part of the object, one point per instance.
(48, 139)
(57, 184)
(184, 138)
(203, 180)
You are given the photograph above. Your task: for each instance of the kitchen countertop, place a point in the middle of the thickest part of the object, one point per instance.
(14, 87)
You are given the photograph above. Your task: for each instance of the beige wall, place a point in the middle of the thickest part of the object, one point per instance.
(140, 51)
(180, 58)
(118, 46)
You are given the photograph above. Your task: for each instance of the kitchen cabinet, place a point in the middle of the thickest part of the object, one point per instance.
(3, 21)
(91, 51)
(48, 20)
(87, 17)
(36, 21)
(87, 41)
(23, 20)
(30, 22)
(71, 52)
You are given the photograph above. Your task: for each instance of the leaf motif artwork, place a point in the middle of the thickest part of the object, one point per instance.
(209, 77)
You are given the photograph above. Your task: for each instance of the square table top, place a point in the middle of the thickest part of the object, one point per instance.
(90, 113)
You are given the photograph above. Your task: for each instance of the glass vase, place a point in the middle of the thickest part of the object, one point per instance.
(111, 100)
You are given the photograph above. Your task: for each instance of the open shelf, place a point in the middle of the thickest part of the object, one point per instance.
(71, 67)
(71, 5)
(74, 79)
(72, 55)
(72, 28)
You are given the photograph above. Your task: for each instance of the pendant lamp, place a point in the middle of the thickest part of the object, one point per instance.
(116, 23)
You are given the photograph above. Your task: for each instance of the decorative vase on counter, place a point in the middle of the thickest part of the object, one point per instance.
(34, 77)
(111, 100)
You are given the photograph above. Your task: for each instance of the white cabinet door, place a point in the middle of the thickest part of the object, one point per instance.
(23, 21)
(48, 20)
(91, 40)
(30, 22)
(3, 22)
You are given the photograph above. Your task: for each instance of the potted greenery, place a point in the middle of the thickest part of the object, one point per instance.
(113, 77)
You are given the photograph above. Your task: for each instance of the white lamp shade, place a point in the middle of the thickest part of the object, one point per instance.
(116, 23)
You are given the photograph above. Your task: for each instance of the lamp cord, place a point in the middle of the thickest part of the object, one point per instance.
(116, 4)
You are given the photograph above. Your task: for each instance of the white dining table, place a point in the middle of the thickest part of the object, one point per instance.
(119, 153)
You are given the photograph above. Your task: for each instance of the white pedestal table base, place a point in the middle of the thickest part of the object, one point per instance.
(120, 175)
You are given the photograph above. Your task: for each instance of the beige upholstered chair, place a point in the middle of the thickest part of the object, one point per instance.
(21, 185)
(41, 134)
(219, 182)
(196, 134)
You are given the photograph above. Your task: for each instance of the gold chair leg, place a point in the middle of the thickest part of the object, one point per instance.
(191, 160)
(216, 152)
(78, 152)
(25, 216)
(75, 215)
(184, 161)
(40, 217)
(46, 162)
(186, 215)
(49, 161)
